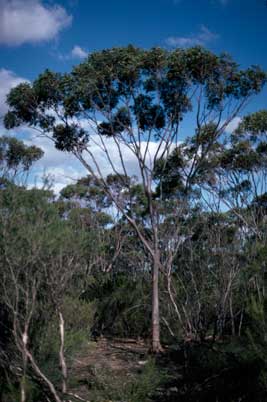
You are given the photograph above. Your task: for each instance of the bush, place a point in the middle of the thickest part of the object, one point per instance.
(114, 387)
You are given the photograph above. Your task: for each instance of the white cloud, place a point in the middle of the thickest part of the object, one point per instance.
(63, 168)
(78, 52)
(203, 37)
(30, 21)
(232, 126)
(129, 158)
(8, 80)
(59, 177)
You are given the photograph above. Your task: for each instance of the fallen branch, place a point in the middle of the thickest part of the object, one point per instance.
(79, 398)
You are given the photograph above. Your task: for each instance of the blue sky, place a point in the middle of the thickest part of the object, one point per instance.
(36, 34)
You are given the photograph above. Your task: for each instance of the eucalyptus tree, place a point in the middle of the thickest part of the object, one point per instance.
(239, 175)
(130, 101)
(246, 163)
(16, 158)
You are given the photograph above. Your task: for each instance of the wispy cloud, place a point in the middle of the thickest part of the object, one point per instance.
(203, 37)
(30, 21)
(78, 52)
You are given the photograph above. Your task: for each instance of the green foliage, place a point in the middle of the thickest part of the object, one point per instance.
(121, 305)
(170, 173)
(78, 316)
(155, 84)
(254, 124)
(140, 387)
(16, 157)
(39, 256)
(226, 371)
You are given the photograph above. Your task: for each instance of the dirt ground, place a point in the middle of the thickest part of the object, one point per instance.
(106, 358)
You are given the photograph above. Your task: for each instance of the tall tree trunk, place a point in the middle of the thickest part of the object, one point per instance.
(25, 361)
(61, 353)
(23, 389)
(156, 345)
